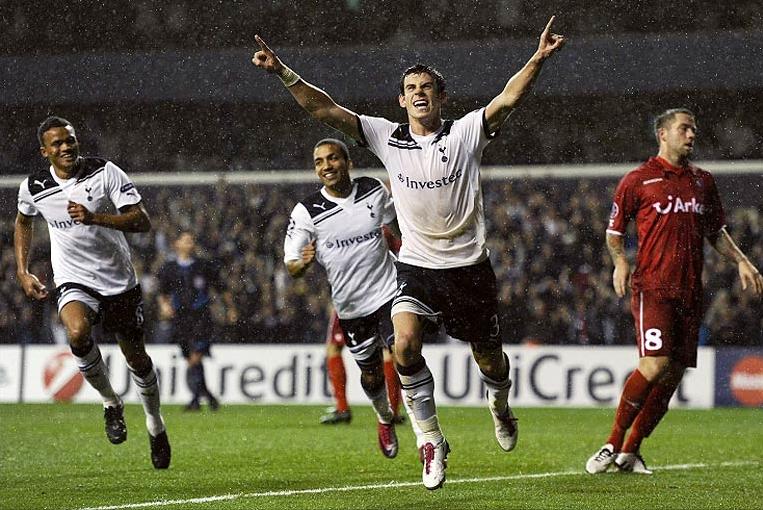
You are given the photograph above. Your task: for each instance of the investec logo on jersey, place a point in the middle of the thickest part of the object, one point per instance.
(64, 224)
(677, 206)
(437, 183)
(343, 243)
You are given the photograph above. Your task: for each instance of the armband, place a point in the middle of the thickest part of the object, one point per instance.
(288, 77)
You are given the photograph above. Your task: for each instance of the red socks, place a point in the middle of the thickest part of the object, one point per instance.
(635, 393)
(393, 385)
(338, 378)
(654, 409)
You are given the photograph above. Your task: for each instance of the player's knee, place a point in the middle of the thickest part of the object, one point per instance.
(78, 332)
(491, 359)
(407, 348)
(139, 362)
(653, 367)
(372, 380)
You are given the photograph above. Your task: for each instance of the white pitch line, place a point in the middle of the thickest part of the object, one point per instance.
(388, 485)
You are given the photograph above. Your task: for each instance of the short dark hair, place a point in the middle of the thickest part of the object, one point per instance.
(50, 123)
(333, 141)
(420, 69)
(666, 117)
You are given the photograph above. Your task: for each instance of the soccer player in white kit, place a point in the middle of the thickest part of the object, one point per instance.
(444, 272)
(88, 203)
(340, 227)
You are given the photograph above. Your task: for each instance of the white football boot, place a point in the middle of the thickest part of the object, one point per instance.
(435, 462)
(632, 463)
(601, 460)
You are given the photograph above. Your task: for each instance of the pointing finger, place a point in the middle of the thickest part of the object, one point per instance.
(548, 26)
(263, 45)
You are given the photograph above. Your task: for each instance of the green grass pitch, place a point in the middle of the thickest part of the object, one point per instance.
(279, 457)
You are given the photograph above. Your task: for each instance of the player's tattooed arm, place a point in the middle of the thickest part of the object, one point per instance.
(22, 241)
(748, 273)
(622, 272)
(132, 218)
(314, 100)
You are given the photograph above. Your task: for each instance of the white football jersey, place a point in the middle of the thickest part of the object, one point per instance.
(349, 244)
(97, 257)
(436, 184)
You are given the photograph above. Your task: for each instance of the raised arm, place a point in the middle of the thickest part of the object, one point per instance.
(314, 100)
(499, 109)
(23, 234)
(748, 273)
(622, 272)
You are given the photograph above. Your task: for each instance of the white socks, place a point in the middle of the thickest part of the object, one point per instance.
(148, 390)
(381, 405)
(418, 390)
(93, 368)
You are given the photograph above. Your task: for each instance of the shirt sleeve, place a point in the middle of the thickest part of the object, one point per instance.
(374, 133)
(624, 206)
(715, 217)
(299, 232)
(25, 203)
(473, 128)
(120, 188)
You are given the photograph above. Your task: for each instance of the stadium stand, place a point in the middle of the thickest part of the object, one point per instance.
(546, 238)
(545, 234)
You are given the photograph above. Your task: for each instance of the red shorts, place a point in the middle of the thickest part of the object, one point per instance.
(667, 326)
(335, 334)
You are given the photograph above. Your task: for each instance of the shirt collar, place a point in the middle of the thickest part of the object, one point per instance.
(667, 166)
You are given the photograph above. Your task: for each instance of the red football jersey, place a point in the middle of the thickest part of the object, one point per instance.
(675, 208)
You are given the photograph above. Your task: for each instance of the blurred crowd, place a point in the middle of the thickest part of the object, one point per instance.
(146, 25)
(188, 137)
(546, 239)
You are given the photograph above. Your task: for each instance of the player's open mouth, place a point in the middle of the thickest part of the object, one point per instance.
(421, 104)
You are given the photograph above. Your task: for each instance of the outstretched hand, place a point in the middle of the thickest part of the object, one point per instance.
(550, 42)
(266, 58)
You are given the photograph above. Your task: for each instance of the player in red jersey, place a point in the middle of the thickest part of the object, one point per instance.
(675, 206)
(335, 342)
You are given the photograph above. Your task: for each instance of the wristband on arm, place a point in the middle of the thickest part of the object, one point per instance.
(288, 77)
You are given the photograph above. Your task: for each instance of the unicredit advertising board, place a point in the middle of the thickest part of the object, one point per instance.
(295, 374)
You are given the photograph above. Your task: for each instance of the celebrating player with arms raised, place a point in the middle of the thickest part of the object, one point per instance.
(444, 273)
(675, 206)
